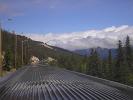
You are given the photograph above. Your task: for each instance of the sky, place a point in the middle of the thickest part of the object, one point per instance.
(70, 24)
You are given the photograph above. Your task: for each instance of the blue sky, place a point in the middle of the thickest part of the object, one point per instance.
(61, 16)
(70, 24)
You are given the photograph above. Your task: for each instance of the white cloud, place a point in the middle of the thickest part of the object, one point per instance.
(106, 38)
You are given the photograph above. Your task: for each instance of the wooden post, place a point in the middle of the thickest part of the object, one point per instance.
(0, 50)
(15, 50)
(22, 53)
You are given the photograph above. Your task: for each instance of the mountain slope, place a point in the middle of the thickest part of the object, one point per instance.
(33, 48)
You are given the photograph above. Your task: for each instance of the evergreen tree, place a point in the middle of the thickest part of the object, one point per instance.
(90, 63)
(8, 60)
(110, 65)
(84, 64)
(128, 54)
(93, 67)
(103, 69)
(120, 71)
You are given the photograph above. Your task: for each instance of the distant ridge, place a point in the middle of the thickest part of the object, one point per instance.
(103, 52)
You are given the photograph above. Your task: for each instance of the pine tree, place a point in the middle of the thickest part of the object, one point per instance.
(8, 60)
(110, 65)
(103, 69)
(120, 71)
(90, 63)
(93, 67)
(84, 64)
(128, 54)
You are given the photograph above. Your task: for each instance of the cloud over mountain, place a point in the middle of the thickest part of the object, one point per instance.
(106, 38)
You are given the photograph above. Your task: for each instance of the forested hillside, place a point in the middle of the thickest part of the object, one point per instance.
(118, 69)
(34, 48)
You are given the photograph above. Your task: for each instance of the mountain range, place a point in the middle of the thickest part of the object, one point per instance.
(103, 52)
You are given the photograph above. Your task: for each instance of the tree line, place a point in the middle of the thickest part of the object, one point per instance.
(119, 69)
